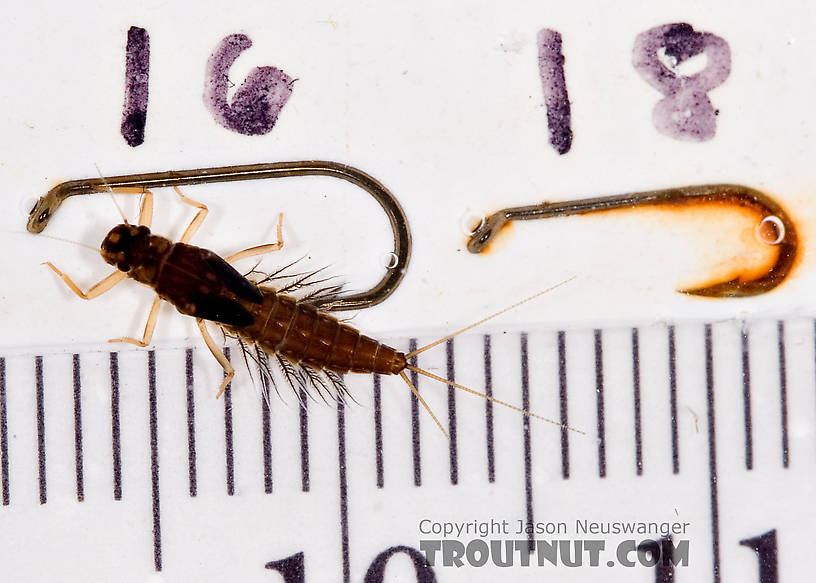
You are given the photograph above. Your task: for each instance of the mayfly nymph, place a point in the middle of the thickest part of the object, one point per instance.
(306, 341)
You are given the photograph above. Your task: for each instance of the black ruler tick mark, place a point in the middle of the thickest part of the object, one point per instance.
(116, 446)
(599, 391)
(378, 435)
(488, 372)
(4, 461)
(38, 371)
(783, 393)
(412, 345)
(191, 441)
(746, 400)
(154, 459)
(266, 436)
(304, 441)
(80, 480)
(562, 383)
(712, 455)
(528, 456)
(341, 462)
(673, 401)
(636, 400)
(229, 461)
(453, 448)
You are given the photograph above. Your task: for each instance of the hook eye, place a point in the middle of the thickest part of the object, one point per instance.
(774, 228)
(47, 205)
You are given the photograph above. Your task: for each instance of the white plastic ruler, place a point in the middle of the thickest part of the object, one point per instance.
(120, 465)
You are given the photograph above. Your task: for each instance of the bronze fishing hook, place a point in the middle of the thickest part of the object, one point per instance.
(771, 212)
(47, 205)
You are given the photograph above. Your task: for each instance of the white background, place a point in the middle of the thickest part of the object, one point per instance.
(441, 102)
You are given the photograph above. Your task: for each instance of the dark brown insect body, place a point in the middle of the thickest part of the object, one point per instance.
(201, 284)
(304, 334)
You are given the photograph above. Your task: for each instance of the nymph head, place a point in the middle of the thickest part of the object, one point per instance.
(118, 246)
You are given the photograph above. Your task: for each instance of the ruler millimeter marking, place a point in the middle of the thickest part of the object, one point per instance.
(712, 455)
(783, 390)
(564, 419)
(453, 443)
(154, 459)
(599, 400)
(525, 424)
(191, 446)
(636, 401)
(673, 400)
(746, 401)
(378, 434)
(38, 375)
(116, 435)
(304, 440)
(488, 383)
(80, 469)
(228, 437)
(4, 461)
(343, 489)
(417, 456)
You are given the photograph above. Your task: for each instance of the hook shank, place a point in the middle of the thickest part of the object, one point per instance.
(47, 205)
(732, 194)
